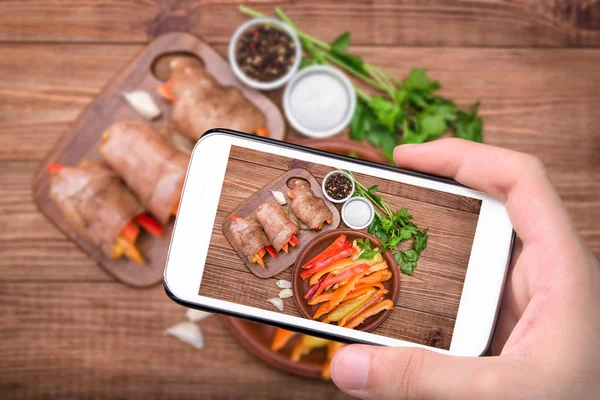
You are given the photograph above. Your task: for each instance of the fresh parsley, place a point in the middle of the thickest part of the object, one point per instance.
(392, 229)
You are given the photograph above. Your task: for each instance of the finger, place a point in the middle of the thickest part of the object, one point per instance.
(370, 372)
(518, 179)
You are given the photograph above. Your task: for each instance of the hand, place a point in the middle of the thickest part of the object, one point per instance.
(546, 340)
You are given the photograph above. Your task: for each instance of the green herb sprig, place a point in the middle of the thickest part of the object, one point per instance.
(391, 228)
(407, 111)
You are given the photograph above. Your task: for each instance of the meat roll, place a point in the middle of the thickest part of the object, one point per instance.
(250, 238)
(153, 170)
(97, 205)
(200, 103)
(309, 208)
(278, 226)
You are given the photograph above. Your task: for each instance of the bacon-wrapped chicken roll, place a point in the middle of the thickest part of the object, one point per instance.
(251, 239)
(278, 226)
(150, 167)
(200, 103)
(309, 208)
(99, 207)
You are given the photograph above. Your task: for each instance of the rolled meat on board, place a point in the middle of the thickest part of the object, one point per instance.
(309, 208)
(95, 203)
(200, 103)
(277, 225)
(150, 167)
(249, 236)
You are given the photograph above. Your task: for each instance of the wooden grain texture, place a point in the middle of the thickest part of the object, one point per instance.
(532, 23)
(102, 340)
(430, 305)
(249, 206)
(69, 331)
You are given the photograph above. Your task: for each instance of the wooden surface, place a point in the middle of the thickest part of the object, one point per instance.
(249, 206)
(428, 303)
(69, 330)
(82, 142)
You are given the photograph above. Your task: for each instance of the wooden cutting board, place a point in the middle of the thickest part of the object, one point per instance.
(274, 266)
(81, 142)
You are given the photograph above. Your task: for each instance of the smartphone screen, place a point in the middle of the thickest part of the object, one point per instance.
(356, 249)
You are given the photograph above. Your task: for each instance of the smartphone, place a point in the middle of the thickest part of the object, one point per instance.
(376, 255)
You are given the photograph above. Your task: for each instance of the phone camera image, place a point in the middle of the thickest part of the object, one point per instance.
(341, 247)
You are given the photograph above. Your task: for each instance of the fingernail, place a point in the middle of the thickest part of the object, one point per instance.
(350, 368)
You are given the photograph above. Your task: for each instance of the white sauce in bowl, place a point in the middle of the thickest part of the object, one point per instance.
(358, 213)
(319, 102)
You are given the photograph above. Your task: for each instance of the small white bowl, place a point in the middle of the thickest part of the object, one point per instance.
(254, 83)
(362, 200)
(337, 171)
(336, 126)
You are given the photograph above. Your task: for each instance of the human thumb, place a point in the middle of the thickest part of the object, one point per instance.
(370, 372)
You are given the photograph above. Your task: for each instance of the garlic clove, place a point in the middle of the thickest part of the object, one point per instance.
(285, 293)
(196, 315)
(187, 332)
(283, 284)
(143, 103)
(277, 303)
(279, 197)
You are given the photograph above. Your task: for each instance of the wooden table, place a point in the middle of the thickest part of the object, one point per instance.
(69, 330)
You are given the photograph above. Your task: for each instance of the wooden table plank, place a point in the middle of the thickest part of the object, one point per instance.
(490, 23)
(93, 339)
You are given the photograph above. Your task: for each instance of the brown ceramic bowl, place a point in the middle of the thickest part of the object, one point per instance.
(320, 243)
(256, 339)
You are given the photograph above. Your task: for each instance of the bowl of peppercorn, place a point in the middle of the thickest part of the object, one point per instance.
(338, 186)
(264, 53)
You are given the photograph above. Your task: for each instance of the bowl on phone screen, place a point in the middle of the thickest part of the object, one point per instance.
(317, 245)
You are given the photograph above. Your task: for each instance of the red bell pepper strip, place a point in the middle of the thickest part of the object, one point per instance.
(326, 263)
(148, 222)
(327, 253)
(54, 168)
(333, 279)
(313, 289)
(294, 239)
(271, 251)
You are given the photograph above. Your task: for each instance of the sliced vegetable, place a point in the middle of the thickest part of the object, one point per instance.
(314, 288)
(281, 338)
(285, 248)
(166, 91)
(346, 309)
(263, 132)
(130, 251)
(369, 312)
(305, 345)
(271, 251)
(130, 232)
(326, 263)
(54, 168)
(333, 279)
(327, 253)
(379, 296)
(377, 277)
(148, 222)
(337, 267)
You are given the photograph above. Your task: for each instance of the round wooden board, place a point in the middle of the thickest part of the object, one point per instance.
(256, 339)
(320, 243)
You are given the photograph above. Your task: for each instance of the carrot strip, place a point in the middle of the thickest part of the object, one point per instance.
(262, 131)
(281, 338)
(369, 312)
(54, 168)
(373, 300)
(166, 91)
(130, 232)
